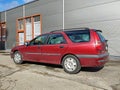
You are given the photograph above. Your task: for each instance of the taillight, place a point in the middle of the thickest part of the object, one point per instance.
(101, 43)
(99, 46)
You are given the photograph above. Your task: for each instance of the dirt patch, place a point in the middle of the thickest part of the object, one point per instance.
(7, 84)
(46, 74)
(4, 66)
(113, 63)
(53, 69)
(115, 87)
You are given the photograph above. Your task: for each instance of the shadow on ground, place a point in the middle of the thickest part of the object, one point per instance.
(52, 66)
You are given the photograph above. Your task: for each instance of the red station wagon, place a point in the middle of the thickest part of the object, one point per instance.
(71, 48)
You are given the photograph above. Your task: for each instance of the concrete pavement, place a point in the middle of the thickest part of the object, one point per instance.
(37, 76)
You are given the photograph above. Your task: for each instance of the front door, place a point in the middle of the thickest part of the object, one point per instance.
(32, 52)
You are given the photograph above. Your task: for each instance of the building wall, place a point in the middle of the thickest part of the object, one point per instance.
(2, 43)
(0, 16)
(51, 11)
(12, 16)
(98, 14)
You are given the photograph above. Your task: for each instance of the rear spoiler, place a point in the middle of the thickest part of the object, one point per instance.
(98, 31)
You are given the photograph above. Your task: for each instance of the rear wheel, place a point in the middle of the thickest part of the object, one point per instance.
(17, 58)
(71, 64)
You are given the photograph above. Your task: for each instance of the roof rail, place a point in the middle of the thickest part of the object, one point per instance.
(81, 28)
(69, 29)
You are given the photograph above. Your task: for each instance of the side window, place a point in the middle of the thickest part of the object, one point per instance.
(40, 40)
(79, 36)
(56, 39)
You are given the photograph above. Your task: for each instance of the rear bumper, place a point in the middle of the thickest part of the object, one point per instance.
(93, 56)
(93, 60)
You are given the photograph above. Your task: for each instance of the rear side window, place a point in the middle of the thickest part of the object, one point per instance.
(78, 35)
(56, 39)
(101, 36)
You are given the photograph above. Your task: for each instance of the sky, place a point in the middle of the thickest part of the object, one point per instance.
(8, 4)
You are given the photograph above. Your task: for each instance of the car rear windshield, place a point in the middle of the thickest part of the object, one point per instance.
(79, 35)
(101, 37)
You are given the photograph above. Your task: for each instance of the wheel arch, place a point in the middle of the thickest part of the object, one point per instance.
(69, 54)
(15, 51)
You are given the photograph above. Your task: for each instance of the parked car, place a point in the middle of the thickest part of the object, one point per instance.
(71, 48)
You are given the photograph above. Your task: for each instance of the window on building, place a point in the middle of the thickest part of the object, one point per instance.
(37, 25)
(28, 28)
(20, 25)
(21, 38)
(3, 31)
(36, 18)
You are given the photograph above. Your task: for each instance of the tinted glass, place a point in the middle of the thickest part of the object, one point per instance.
(56, 39)
(40, 40)
(79, 35)
(101, 36)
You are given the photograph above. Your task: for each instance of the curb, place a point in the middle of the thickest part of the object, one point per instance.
(5, 52)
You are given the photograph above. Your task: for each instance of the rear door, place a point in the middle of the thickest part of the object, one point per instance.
(54, 49)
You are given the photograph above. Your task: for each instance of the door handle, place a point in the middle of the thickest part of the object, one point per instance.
(61, 46)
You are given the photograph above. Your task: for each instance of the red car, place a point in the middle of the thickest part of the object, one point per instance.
(71, 48)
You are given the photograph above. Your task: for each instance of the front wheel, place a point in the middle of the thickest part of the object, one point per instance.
(71, 64)
(17, 58)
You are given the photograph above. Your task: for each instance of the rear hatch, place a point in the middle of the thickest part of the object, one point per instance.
(101, 42)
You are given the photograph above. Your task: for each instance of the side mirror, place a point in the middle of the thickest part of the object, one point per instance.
(26, 43)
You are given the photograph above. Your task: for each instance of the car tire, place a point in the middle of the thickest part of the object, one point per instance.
(17, 58)
(71, 64)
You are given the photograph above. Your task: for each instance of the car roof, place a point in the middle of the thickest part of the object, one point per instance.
(70, 29)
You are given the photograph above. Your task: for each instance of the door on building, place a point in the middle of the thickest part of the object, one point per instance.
(3, 35)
